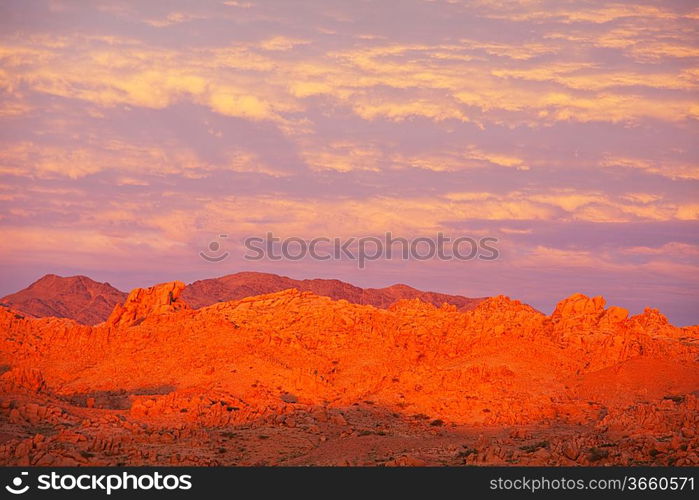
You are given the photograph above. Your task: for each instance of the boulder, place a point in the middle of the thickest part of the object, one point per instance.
(144, 302)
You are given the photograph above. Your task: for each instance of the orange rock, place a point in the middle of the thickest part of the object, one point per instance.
(141, 303)
(406, 461)
(616, 314)
(296, 378)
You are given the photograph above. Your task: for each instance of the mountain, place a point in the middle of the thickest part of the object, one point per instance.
(294, 378)
(90, 302)
(76, 297)
(245, 284)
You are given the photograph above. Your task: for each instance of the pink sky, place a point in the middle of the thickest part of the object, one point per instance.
(133, 133)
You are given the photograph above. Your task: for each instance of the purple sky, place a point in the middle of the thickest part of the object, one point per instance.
(133, 133)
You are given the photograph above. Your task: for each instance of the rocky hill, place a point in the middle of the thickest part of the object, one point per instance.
(76, 297)
(90, 302)
(294, 378)
(245, 284)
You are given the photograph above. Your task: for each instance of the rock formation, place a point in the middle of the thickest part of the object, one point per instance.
(90, 302)
(293, 378)
(148, 302)
(245, 284)
(76, 297)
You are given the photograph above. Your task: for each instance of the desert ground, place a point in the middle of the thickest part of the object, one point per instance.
(294, 378)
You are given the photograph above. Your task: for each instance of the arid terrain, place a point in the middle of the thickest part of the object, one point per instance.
(216, 374)
(90, 302)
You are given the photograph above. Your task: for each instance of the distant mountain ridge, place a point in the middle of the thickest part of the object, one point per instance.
(76, 297)
(245, 284)
(90, 302)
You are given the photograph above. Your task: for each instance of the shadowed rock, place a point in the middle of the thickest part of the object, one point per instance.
(76, 297)
(245, 284)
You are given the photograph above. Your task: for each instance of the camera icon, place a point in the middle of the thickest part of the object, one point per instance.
(16, 487)
(214, 246)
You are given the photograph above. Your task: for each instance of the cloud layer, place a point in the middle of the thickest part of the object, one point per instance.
(134, 133)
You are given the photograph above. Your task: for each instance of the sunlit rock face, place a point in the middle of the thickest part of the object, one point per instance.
(144, 302)
(293, 378)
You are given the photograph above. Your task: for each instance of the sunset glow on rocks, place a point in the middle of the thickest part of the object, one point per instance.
(144, 145)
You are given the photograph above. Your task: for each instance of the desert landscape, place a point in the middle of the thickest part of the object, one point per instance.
(459, 236)
(255, 369)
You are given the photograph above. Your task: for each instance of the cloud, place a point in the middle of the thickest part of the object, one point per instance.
(231, 103)
(578, 76)
(137, 131)
(125, 158)
(240, 160)
(235, 3)
(671, 168)
(568, 205)
(282, 43)
(173, 18)
(379, 79)
(671, 249)
(400, 111)
(563, 12)
(344, 156)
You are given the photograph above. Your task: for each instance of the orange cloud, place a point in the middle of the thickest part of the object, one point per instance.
(32, 159)
(671, 168)
(259, 81)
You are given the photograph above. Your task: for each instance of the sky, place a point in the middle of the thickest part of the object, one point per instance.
(133, 134)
